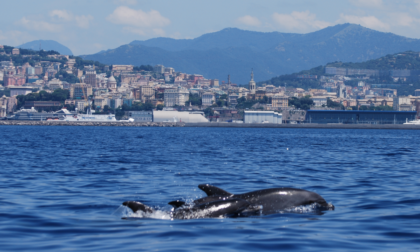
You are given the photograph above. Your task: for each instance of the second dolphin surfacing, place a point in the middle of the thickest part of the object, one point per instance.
(220, 203)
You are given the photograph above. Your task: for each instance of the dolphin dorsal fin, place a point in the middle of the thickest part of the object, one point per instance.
(176, 203)
(213, 190)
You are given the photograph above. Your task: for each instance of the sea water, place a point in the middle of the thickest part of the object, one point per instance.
(61, 188)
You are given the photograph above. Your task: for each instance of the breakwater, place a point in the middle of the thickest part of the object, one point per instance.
(115, 123)
(213, 124)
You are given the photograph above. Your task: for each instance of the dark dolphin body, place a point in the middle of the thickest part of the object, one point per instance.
(272, 200)
(220, 203)
(217, 208)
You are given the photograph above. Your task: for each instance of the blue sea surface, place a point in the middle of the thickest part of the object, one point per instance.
(61, 188)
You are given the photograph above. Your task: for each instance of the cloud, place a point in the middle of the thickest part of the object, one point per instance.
(366, 21)
(38, 25)
(83, 21)
(302, 21)
(403, 19)
(138, 18)
(14, 37)
(62, 15)
(249, 20)
(126, 2)
(65, 16)
(367, 3)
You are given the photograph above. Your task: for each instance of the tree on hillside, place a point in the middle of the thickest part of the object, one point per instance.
(304, 103)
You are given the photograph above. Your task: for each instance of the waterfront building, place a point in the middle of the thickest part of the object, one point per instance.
(262, 117)
(41, 104)
(359, 116)
(141, 116)
(179, 116)
(402, 103)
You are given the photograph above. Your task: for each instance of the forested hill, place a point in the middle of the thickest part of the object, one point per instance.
(408, 60)
(402, 61)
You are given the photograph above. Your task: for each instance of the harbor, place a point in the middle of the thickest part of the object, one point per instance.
(210, 125)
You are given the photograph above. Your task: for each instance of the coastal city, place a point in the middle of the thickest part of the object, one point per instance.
(44, 85)
(224, 125)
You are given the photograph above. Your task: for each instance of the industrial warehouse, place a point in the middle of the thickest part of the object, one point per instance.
(359, 116)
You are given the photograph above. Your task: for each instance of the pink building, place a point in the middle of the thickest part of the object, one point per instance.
(195, 77)
(14, 80)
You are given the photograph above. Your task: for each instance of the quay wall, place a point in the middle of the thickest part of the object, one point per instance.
(66, 123)
(306, 126)
(212, 124)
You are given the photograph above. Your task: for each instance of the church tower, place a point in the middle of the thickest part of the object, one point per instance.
(252, 85)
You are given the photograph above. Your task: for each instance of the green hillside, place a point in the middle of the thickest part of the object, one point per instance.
(409, 60)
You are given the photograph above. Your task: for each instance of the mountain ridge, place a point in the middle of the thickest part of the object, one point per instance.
(47, 45)
(234, 51)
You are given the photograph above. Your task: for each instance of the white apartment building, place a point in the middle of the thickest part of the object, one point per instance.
(175, 96)
(402, 103)
(208, 99)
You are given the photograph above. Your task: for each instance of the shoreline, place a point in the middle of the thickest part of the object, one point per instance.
(211, 125)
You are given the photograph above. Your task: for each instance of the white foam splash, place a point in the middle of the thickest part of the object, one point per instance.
(302, 209)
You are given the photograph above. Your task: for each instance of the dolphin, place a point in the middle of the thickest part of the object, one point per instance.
(272, 200)
(217, 208)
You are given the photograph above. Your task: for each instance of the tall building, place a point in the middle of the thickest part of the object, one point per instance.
(252, 85)
(159, 69)
(341, 91)
(175, 96)
(91, 77)
(144, 93)
(38, 70)
(30, 71)
(214, 83)
(80, 90)
(14, 80)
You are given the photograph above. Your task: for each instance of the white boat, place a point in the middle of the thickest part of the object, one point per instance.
(415, 122)
(89, 117)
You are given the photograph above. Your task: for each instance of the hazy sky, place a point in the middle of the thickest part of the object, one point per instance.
(88, 26)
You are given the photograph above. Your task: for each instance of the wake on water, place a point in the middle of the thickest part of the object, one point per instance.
(162, 213)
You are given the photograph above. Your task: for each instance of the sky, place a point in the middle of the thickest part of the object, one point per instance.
(89, 26)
